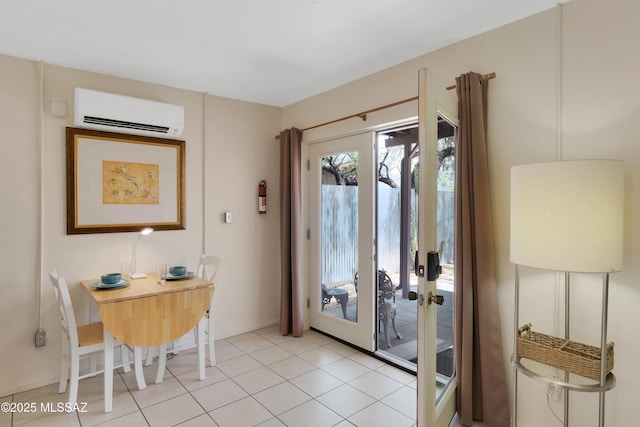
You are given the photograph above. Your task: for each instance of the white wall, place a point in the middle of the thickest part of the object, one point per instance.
(225, 160)
(601, 103)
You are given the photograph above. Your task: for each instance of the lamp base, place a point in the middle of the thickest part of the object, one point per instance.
(138, 275)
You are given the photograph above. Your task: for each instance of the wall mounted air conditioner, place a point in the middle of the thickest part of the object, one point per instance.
(124, 114)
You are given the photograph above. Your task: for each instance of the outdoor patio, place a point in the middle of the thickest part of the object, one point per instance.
(406, 323)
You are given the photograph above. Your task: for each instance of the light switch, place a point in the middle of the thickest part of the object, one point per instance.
(227, 217)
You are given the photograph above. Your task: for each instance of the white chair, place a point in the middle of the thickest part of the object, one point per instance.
(207, 269)
(79, 342)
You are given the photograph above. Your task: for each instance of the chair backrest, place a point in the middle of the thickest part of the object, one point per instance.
(208, 267)
(325, 293)
(65, 308)
(386, 290)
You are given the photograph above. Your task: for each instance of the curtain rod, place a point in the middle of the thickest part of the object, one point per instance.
(363, 114)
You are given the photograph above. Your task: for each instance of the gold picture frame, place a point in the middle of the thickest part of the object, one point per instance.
(120, 182)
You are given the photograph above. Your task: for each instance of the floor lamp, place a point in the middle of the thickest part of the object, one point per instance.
(567, 216)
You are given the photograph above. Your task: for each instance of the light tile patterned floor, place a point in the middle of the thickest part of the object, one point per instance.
(261, 379)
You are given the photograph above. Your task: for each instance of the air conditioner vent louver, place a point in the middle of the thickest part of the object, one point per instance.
(125, 114)
(123, 124)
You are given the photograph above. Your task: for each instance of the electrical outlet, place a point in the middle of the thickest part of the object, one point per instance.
(40, 338)
(554, 392)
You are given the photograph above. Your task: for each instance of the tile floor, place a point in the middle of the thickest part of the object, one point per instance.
(261, 379)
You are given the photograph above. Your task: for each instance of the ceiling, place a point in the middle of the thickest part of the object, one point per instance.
(273, 52)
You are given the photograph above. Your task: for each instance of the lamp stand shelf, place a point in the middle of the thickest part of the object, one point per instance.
(607, 380)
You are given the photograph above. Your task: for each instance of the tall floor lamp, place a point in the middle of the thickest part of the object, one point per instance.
(567, 216)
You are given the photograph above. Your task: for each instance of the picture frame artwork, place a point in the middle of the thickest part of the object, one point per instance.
(119, 182)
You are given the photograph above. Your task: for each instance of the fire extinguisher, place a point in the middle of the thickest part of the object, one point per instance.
(262, 197)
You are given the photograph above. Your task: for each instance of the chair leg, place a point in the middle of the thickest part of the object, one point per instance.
(64, 365)
(393, 323)
(149, 359)
(200, 327)
(385, 326)
(343, 302)
(75, 377)
(211, 339)
(93, 364)
(137, 362)
(195, 336)
(175, 346)
(108, 371)
(124, 357)
(385, 314)
(162, 363)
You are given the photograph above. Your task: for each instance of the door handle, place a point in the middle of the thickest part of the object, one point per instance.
(438, 299)
(413, 295)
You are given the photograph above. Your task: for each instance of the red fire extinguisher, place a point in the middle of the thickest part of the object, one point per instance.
(262, 197)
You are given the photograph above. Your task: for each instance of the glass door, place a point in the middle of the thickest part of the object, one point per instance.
(341, 205)
(397, 164)
(438, 119)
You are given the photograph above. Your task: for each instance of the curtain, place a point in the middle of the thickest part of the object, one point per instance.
(482, 390)
(291, 298)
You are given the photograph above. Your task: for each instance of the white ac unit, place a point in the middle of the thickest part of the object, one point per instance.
(125, 114)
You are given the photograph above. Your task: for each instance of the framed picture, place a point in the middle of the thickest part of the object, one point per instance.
(118, 182)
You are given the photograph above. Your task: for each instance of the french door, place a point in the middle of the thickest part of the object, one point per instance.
(342, 209)
(438, 110)
(341, 206)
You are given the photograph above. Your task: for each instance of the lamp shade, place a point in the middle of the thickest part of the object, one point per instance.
(568, 215)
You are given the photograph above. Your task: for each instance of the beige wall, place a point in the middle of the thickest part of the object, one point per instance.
(225, 160)
(601, 104)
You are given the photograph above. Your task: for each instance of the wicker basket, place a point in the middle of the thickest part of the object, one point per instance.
(561, 353)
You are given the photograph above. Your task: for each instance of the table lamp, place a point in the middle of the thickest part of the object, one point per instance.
(134, 268)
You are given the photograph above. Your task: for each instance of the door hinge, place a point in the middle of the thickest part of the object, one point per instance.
(308, 165)
(308, 234)
(308, 302)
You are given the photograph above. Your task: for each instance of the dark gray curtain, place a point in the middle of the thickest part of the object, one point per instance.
(482, 390)
(291, 300)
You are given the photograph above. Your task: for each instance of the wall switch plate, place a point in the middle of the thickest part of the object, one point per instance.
(228, 217)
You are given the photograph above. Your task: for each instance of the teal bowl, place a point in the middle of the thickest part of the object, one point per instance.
(178, 270)
(110, 278)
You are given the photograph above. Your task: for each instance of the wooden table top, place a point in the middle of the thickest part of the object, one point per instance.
(142, 288)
